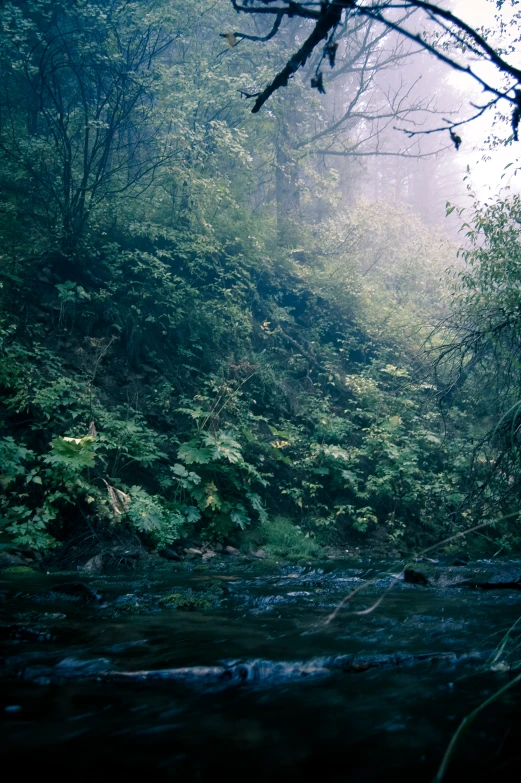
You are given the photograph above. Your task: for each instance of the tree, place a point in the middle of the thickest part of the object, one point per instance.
(315, 143)
(477, 357)
(78, 120)
(453, 41)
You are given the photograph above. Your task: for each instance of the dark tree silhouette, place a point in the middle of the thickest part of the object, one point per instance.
(76, 111)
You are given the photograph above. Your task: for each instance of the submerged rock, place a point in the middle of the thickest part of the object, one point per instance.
(186, 603)
(234, 673)
(169, 554)
(414, 577)
(128, 604)
(213, 588)
(10, 559)
(21, 633)
(75, 667)
(76, 591)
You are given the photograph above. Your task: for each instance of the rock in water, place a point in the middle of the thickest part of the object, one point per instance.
(169, 554)
(76, 590)
(415, 577)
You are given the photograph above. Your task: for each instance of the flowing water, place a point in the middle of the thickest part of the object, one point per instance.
(231, 671)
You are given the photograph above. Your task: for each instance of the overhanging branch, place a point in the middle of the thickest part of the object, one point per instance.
(328, 15)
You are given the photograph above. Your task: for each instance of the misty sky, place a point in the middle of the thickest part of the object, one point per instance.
(486, 175)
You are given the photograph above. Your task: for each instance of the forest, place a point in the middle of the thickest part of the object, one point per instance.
(258, 321)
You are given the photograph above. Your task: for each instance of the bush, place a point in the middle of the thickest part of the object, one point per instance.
(285, 539)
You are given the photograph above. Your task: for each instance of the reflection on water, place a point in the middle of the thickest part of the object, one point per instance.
(289, 711)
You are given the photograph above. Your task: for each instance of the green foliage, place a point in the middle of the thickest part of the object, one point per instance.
(71, 292)
(173, 359)
(285, 539)
(148, 514)
(479, 364)
(12, 459)
(74, 453)
(222, 487)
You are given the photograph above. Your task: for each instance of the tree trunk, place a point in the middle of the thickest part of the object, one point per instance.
(286, 189)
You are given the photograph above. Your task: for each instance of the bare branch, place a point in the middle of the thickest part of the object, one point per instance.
(328, 16)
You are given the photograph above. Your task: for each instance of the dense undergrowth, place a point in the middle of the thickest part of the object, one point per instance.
(171, 367)
(175, 395)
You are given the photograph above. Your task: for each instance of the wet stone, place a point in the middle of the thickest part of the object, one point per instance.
(11, 560)
(413, 577)
(132, 604)
(169, 554)
(186, 603)
(40, 616)
(76, 591)
(21, 633)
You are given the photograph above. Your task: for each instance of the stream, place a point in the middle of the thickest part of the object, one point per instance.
(230, 669)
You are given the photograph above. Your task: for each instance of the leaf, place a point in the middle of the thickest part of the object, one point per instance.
(279, 433)
(191, 513)
(320, 471)
(119, 501)
(179, 470)
(230, 38)
(78, 441)
(191, 454)
(336, 452)
(194, 413)
(257, 505)
(239, 516)
(255, 501)
(213, 501)
(456, 140)
(317, 82)
(72, 451)
(279, 444)
(224, 446)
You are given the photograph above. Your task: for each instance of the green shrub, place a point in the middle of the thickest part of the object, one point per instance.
(285, 539)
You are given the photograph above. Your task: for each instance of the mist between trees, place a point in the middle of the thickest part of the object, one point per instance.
(211, 319)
